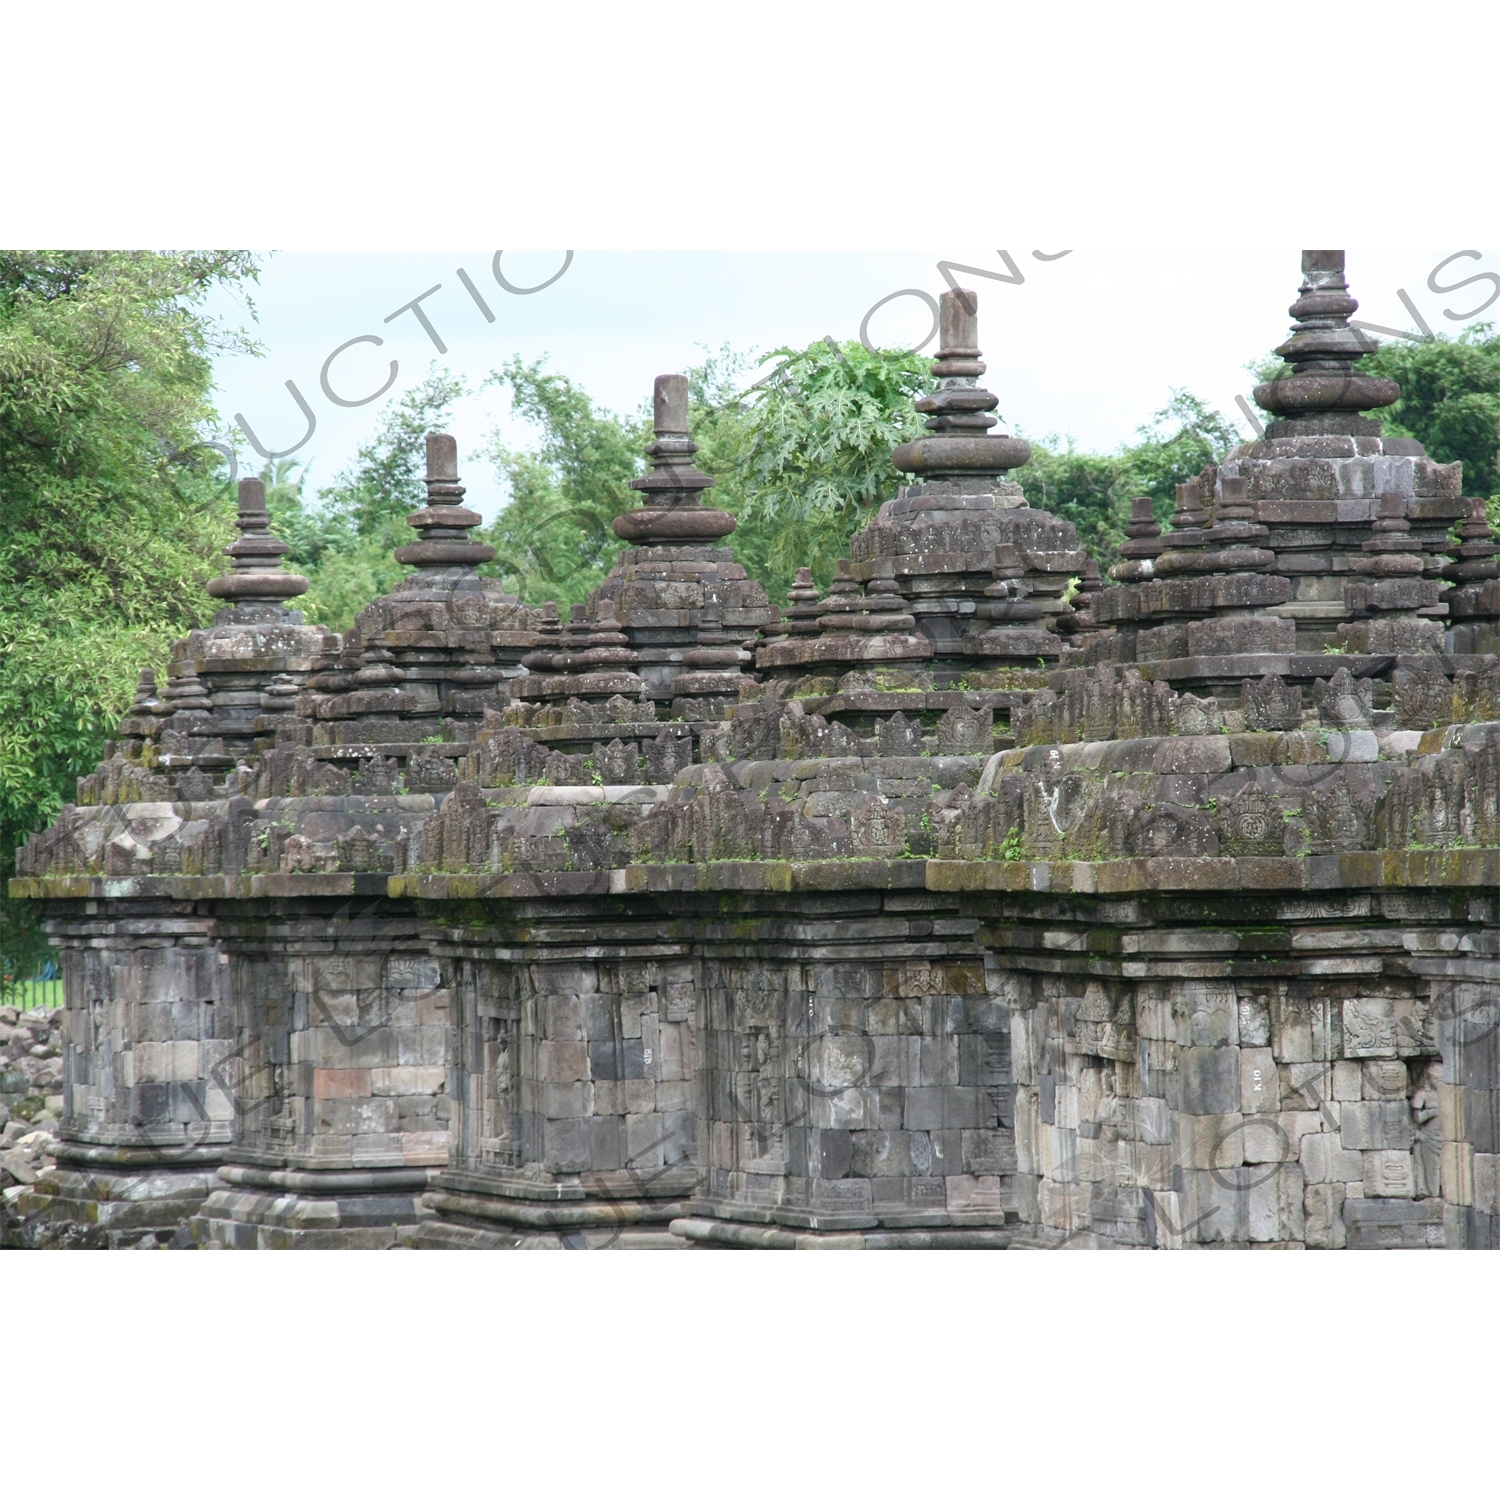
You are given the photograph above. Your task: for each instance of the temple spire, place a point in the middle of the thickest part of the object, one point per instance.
(960, 445)
(1323, 392)
(258, 577)
(672, 511)
(444, 522)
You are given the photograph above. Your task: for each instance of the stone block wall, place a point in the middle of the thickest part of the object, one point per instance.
(1468, 1101)
(1323, 1101)
(573, 1076)
(148, 1018)
(734, 1066)
(341, 1044)
(850, 1093)
(576, 1074)
(336, 1080)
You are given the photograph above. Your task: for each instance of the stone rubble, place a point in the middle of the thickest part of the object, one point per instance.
(31, 1105)
(31, 1070)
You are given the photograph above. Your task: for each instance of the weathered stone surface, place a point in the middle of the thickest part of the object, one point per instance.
(955, 919)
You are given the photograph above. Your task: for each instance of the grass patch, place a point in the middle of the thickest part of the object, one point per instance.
(27, 994)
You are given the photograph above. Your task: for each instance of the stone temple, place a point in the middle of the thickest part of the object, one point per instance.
(955, 908)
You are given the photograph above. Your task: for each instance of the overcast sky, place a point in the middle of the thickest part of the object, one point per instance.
(1088, 344)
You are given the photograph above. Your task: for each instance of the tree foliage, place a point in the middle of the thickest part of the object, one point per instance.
(720, 414)
(1094, 490)
(553, 539)
(1450, 399)
(112, 507)
(801, 460)
(812, 463)
(344, 541)
(1080, 487)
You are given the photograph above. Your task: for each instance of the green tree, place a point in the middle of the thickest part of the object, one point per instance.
(344, 541)
(1094, 491)
(112, 507)
(812, 462)
(1450, 399)
(720, 413)
(1179, 441)
(1084, 488)
(284, 484)
(553, 539)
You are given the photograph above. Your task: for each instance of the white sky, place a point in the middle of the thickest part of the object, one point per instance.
(1089, 345)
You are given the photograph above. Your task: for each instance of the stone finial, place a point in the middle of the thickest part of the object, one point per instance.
(145, 692)
(1138, 555)
(607, 637)
(801, 615)
(577, 628)
(672, 510)
(185, 693)
(959, 411)
(1186, 545)
(1235, 503)
(378, 664)
(669, 404)
(877, 609)
(444, 522)
(1323, 392)
(258, 577)
(959, 404)
(1143, 525)
(279, 696)
(1191, 512)
(1474, 605)
(1475, 559)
